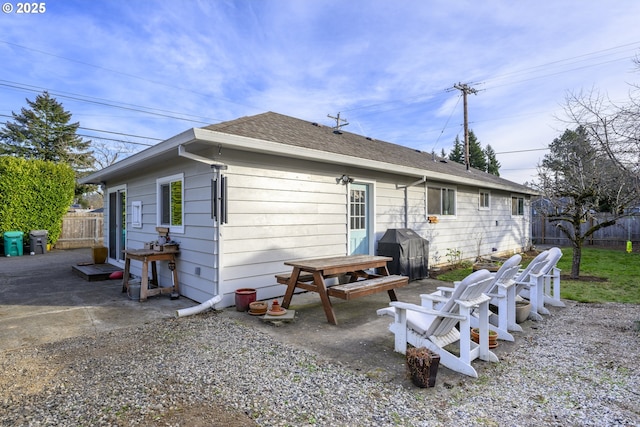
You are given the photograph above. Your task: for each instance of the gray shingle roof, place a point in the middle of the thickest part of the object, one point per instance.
(283, 129)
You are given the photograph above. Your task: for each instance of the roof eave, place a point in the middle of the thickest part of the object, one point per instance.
(269, 147)
(243, 143)
(150, 153)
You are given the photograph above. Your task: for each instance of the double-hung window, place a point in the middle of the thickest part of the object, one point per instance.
(170, 191)
(441, 201)
(485, 200)
(517, 206)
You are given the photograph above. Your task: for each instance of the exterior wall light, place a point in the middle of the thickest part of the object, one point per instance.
(344, 179)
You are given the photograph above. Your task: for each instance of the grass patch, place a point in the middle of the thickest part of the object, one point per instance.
(607, 275)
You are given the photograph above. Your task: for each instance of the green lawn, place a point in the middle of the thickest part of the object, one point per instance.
(610, 275)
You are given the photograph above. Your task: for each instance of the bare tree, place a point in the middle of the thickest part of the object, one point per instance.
(597, 168)
(614, 126)
(107, 154)
(580, 184)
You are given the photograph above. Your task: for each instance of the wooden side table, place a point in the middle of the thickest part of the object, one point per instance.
(147, 257)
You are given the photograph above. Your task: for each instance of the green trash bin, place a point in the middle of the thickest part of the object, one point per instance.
(13, 243)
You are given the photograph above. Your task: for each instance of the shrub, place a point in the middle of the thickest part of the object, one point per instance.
(34, 195)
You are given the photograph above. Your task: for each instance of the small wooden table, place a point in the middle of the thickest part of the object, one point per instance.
(321, 268)
(147, 256)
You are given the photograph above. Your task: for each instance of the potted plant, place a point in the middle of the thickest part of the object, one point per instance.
(493, 337)
(422, 365)
(523, 309)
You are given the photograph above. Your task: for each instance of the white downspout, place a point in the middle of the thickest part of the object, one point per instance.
(199, 308)
(216, 299)
(406, 197)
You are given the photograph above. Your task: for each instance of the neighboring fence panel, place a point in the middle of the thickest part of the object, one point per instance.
(81, 230)
(545, 233)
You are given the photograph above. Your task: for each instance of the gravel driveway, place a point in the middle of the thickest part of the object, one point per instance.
(578, 367)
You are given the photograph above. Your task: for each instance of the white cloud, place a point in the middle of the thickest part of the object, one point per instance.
(385, 65)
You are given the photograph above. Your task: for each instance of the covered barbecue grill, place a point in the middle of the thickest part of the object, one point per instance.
(409, 251)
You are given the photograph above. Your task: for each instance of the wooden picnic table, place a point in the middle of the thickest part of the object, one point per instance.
(148, 256)
(310, 274)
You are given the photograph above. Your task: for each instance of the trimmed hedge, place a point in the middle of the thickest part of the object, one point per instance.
(34, 195)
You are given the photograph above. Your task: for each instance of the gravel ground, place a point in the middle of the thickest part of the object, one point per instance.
(579, 369)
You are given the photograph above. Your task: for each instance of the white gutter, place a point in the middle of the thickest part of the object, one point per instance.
(216, 299)
(182, 152)
(413, 184)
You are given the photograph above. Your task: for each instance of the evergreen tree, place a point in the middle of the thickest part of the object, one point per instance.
(44, 132)
(477, 159)
(457, 153)
(493, 165)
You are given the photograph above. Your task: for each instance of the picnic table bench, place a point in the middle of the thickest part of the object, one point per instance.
(310, 275)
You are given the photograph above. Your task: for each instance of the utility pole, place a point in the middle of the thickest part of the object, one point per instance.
(465, 89)
(338, 120)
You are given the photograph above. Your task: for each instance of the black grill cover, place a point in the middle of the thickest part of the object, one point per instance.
(409, 251)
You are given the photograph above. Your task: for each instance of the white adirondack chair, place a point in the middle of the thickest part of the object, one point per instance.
(502, 291)
(503, 296)
(552, 284)
(531, 282)
(436, 329)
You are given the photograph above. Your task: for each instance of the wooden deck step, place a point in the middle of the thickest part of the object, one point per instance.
(94, 272)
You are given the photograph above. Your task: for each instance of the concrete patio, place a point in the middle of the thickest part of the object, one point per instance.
(42, 301)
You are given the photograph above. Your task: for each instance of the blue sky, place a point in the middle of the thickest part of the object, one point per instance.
(156, 68)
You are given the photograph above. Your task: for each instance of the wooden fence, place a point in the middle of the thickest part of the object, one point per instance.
(81, 230)
(545, 233)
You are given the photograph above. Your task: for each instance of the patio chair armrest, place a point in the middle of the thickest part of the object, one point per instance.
(435, 298)
(506, 285)
(494, 295)
(420, 309)
(474, 302)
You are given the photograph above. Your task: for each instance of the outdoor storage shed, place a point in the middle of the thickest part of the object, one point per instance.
(409, 251)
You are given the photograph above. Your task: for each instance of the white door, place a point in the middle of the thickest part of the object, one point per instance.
(359, 219)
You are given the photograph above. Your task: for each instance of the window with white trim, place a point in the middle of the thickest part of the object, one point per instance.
(441, 201)
(485, 200)
(517, 206)
(170, 194)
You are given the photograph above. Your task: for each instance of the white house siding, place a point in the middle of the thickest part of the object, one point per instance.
(281, 209)
(197, 244)
(288, 210)
(472, 231)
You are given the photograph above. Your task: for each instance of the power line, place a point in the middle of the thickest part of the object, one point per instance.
(108, 103)
(160, 83)
(114, 139)
(446, 124)
(104, 138)
(527, 70)
(193, 118)
(121, 134)
(522, 151)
